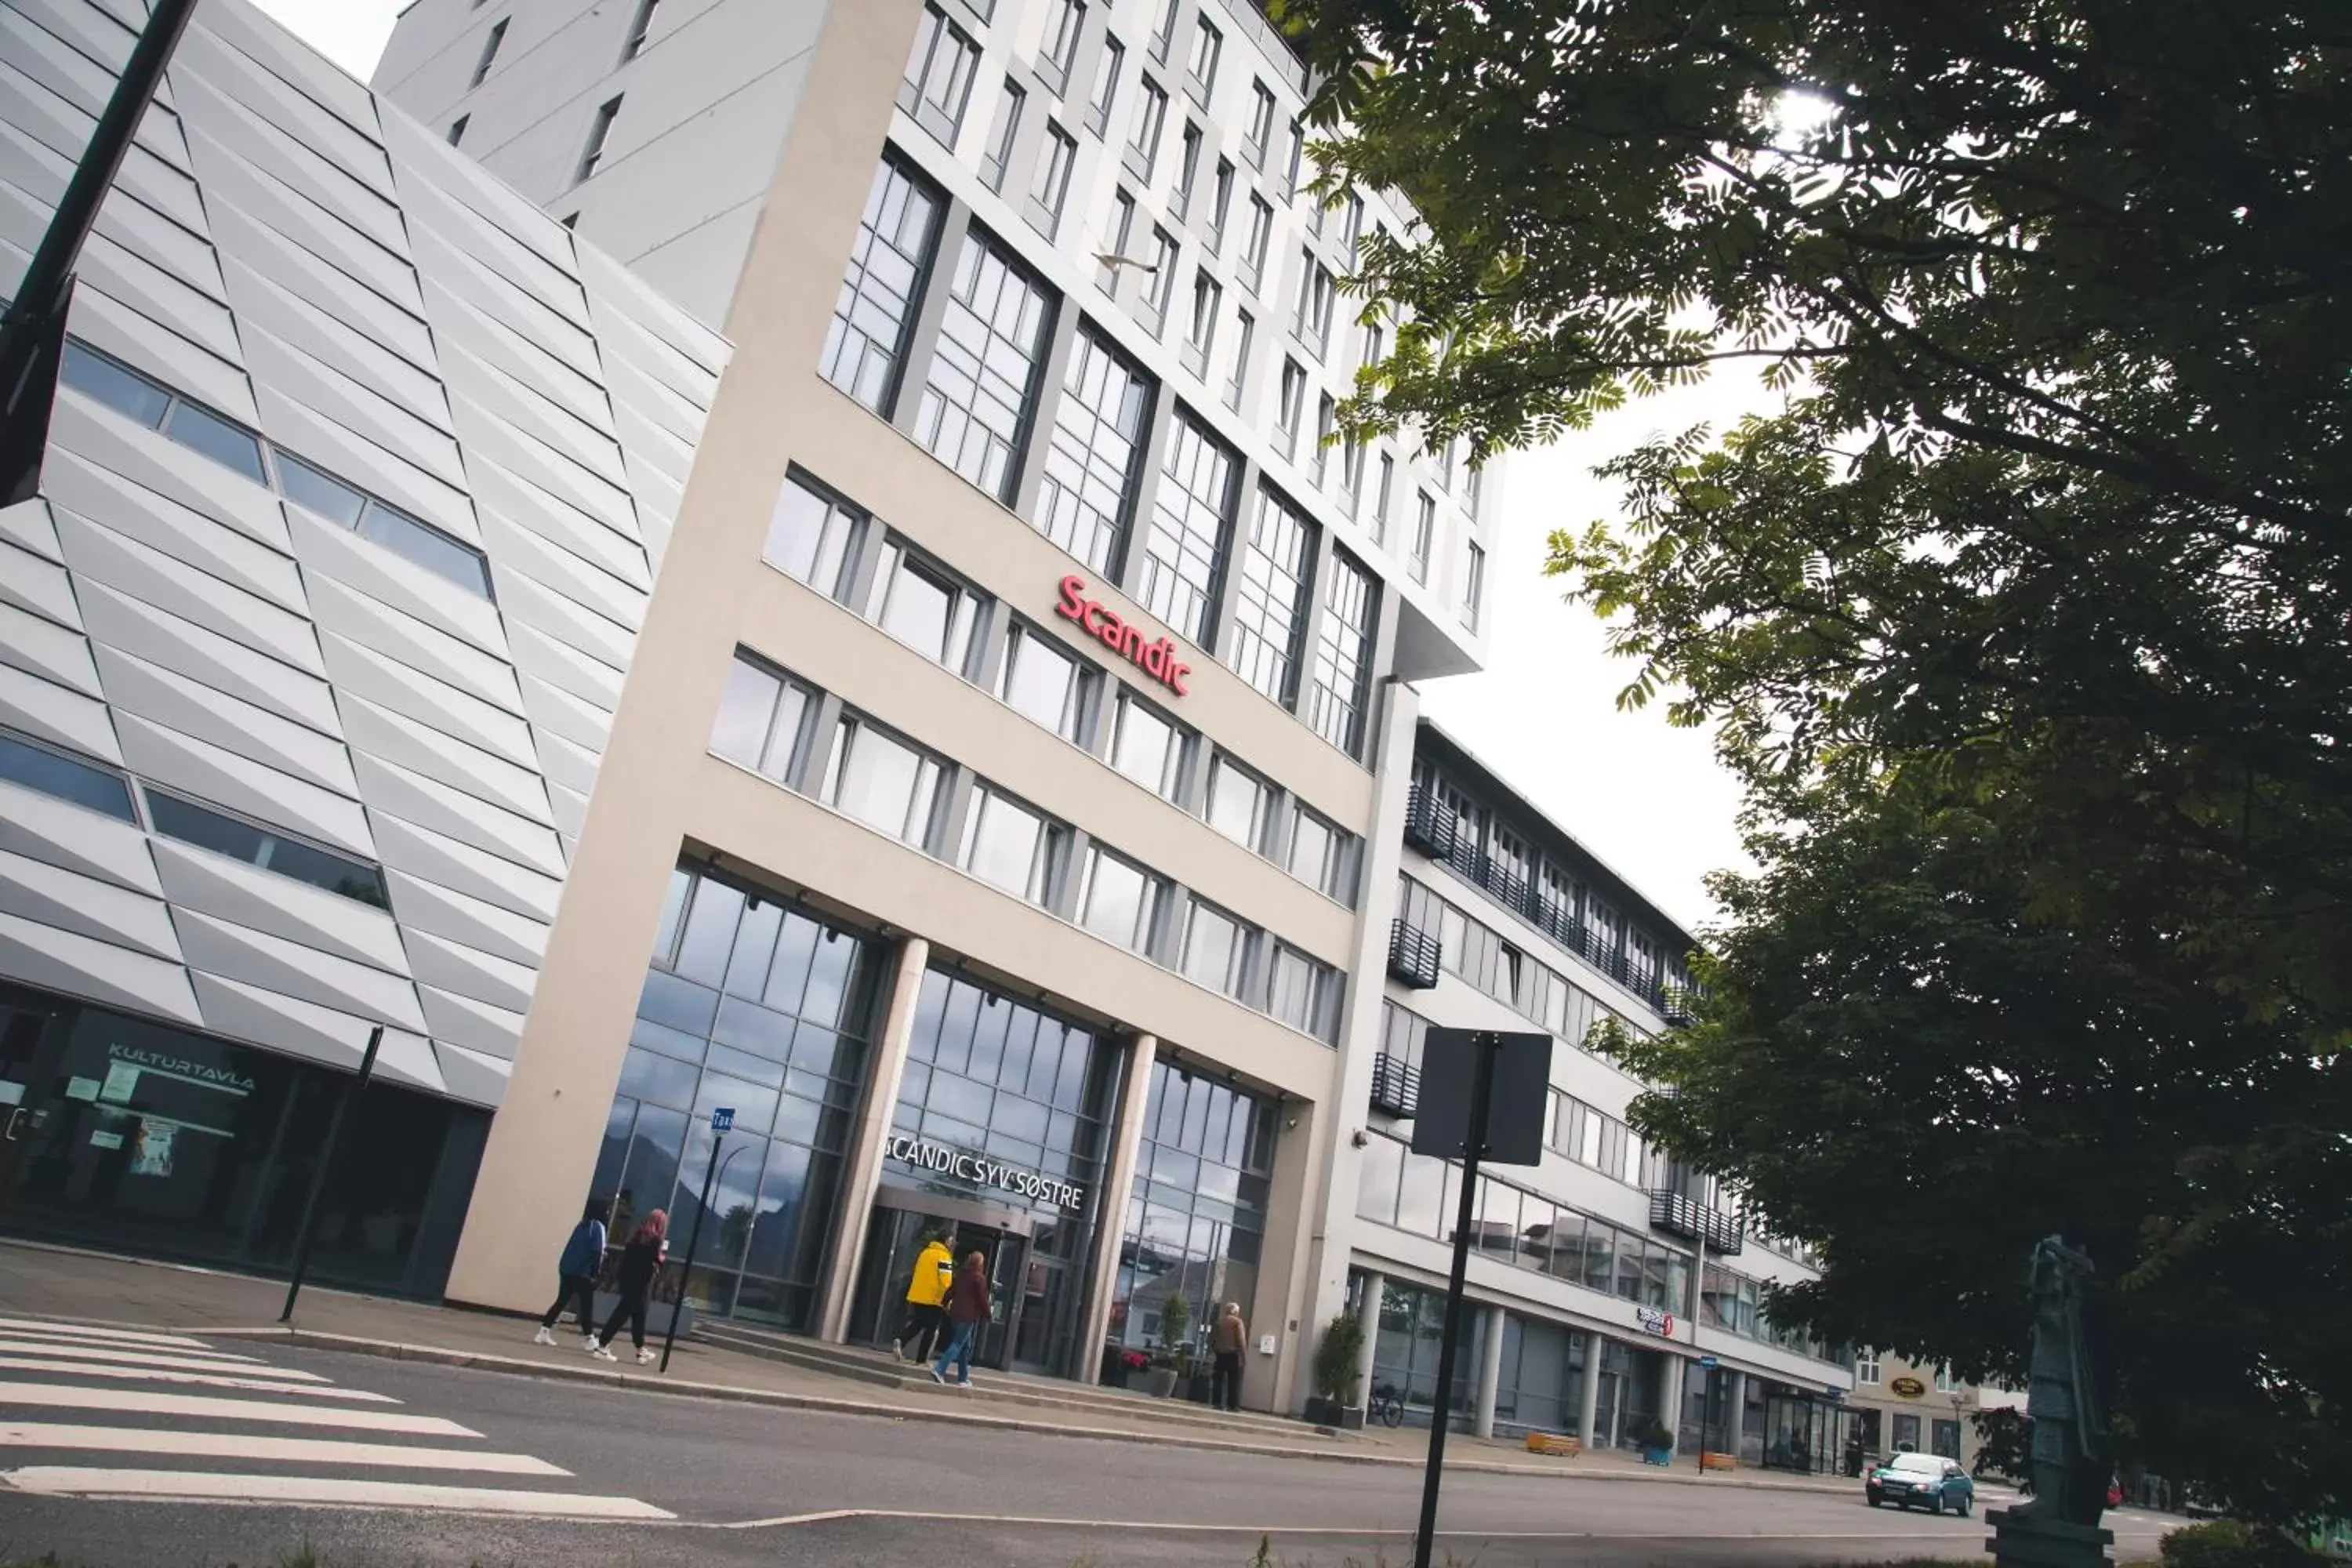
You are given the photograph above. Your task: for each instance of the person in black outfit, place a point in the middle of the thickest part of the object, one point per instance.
(641, 1260)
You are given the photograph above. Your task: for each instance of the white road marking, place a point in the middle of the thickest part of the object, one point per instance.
(193, 1486)
(64, 1396)
(77, 1330)
(256, 1383)
(293, 1450)
(252, 1365)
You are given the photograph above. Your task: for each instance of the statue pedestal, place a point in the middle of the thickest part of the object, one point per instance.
(2022, 1540)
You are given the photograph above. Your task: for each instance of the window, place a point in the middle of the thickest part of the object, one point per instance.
(1352, 228)
(1376, 344)
(1119, 900)
(1237, 369)
(1144, 136)
(125, 391)
(1011, 846)
(1303, 993)
(489, 52)
(1092, 459)
(1163, 29)
(1327, 425)
(1188, 171)
(640, 29)
(1310, 316)
(1240, 804)
(202, 430)
(983, 380)
(1159, 279)
(1261, 125)
(1322, 855)
(1293, 165)
(813, 536)
(1343, 663)
(599, 133)
(1201, 332)
(1001, 134)
(923, 607)
(1261, 231)
(1191, 515)
(939, 71)
(458, 129)
(1865, 1368)
(1122, 230)
(206, 828)
(1216, 949)
(1352, 474)
(1221, 201)
(1208, 48)
(876, 303)
(1045, 682)
(761, 712)
(70, 779)
(1945, 1383)
(881, 781)
(1055, 155)
(1105, 93)
(1474, 583)
(1061, 48)
(1263, 646)
(1148, 746)
(1291, 409)
(1424, 530)
(1472, 487)
(1381, 500)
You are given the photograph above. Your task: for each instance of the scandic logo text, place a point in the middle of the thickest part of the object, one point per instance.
(1158, 659)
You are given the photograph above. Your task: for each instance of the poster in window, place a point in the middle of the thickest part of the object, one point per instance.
(152, 1155)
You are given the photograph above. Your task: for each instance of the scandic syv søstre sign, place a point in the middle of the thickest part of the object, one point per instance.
(1156, 659)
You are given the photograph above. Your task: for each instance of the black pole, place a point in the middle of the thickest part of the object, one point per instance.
(42, 291)
(326, 1165)
(693, 1238)
(1482, 1090)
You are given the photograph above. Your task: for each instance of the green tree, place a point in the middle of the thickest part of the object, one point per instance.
(2022, 619)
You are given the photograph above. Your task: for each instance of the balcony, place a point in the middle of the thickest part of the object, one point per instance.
(1677, 1215)
(1396, 1085)
(1413, 955)
(1429, 826)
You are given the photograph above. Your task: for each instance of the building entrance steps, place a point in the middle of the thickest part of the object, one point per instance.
(879, 1369)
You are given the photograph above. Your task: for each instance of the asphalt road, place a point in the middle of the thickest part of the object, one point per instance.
(748, 1485)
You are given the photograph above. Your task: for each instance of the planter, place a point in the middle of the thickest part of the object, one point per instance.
(1657, 1456)
(1160, 1382)
(1322, 1411)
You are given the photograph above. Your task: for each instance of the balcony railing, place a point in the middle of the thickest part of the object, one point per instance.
(1396, 1085)
(1678, 1215)
(1413, 955)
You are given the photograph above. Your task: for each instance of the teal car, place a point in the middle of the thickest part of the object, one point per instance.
(1920, 1480)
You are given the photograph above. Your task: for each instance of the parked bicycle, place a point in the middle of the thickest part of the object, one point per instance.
(1387, 1407)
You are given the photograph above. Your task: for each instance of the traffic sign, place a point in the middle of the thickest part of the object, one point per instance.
(723, 1118)
(1708, 1363)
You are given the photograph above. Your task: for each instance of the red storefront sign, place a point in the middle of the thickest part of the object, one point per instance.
(1157, 659)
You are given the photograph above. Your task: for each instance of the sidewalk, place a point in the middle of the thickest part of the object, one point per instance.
(41, 1281)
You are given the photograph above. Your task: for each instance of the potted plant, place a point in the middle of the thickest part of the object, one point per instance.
(1334, 1402)
(1120, 1364)
(1657, 1443)
(1175, 1317)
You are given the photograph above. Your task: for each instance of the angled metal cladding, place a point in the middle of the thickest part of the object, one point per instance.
(325, 271)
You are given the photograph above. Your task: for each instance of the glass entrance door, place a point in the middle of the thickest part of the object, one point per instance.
(1006, 1253)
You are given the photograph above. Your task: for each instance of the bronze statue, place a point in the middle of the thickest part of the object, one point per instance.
(2070, 1461)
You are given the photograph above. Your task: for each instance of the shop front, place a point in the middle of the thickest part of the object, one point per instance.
(1805, 1430)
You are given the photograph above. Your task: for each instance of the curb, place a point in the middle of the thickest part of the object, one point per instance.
(638, 1382)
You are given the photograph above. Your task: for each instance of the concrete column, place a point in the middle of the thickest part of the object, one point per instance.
(1367, 1319)
(862, 1170)
(1735, 1412)
(1490, 1373)
(1588, 1409)
(1677, 1368)
(1110, 1209)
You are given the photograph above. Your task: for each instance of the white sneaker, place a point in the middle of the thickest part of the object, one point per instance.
(587, 1341)
(544, 1337)
(600, 1352)
(936, 1377)
(647, 1356)
(898, 1349)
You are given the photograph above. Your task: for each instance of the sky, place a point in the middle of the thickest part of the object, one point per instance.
(1647, 799)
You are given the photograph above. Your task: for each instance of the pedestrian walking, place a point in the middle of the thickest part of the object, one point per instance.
(927, 1293)
(968, 1308)
(1229, 1338)
(575, 1273)
(641, 1262)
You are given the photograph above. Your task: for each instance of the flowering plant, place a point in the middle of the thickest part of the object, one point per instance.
(1134, 1361)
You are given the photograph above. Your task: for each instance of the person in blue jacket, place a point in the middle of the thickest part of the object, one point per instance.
(583, 1260)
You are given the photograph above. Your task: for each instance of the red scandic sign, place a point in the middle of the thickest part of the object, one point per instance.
(1158, 659)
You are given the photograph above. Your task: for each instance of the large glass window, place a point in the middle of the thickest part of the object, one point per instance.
(1144, 136)
(813, 536)
(1343, 648)
(1310, 316)
(1044, 680)
(1216, 949)
(1254, 243)
(939, 71)
(1322, 855)
(50, 773)
(1105, 93)
(1240, 804)
(1002, 132)
(1060, 46)
(761, 715)
(1056, 154)
(1196, 1220)
(923, 606)
(1192, 513)
(269, 849)
(882, 781)
(751, 1003)
(1119, 900)
(1261, 124)
(1091, 462)
(983, 380)
(1148, 746)
(1011, 846)
(1303, 993)
(1270, 610)
(876, 303)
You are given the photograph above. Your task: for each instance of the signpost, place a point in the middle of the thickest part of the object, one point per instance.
(352, 1091)
(1483, 1096)
(722, 1122)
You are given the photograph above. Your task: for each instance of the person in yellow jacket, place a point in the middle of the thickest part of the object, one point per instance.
(927, 1294)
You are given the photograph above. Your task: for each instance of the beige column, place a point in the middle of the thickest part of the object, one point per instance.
(1589, 1407)
(1284, 1289)
(1110, 1209)
(864, 1170)
(1676, 1367)
(1368, 1319)
(1490, 1373)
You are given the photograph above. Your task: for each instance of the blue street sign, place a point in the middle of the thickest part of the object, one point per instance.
(722, 1119)
(1708, 1363)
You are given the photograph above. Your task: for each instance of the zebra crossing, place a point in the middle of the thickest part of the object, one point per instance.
(119, 1414)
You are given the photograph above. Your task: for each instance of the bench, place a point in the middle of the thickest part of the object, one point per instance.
(1552, 1443)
